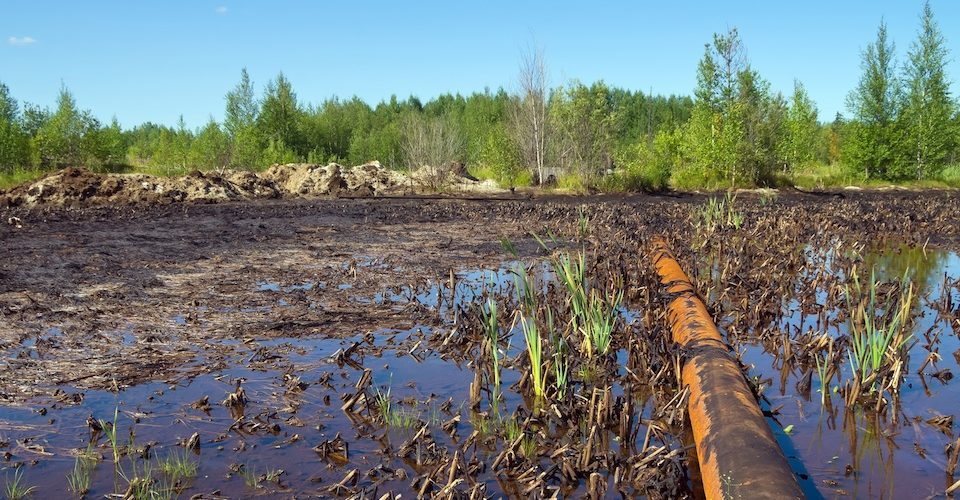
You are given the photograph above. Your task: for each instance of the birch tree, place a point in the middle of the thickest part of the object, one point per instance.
(530, 111)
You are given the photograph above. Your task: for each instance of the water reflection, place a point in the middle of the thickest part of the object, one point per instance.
(856, 451)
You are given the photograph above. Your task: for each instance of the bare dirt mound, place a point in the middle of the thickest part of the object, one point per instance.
(80, 187)
(77, 187)
(304, 179)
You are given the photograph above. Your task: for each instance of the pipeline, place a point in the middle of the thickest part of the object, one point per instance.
(737, 452)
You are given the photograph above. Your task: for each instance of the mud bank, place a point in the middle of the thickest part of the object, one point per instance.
(77, 187)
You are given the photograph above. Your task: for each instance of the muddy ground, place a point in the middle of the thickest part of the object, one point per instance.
(100, 300)
(79, 187)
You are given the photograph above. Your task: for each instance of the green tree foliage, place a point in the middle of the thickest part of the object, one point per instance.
(582, 118)
(9, 109)
(246, 150)
(928, 109)
(501, 157)
(328, 129)
(278, 152)
(871, 141)
(734, 133)
(105, 147)
(483, 121)
(210, 148)
(432, 141)
(172, 151)
(242, 109)
(14, 142)
(66, 138)
(240, 124)
(279, 118)
(803, 130)
(639, 116)
(764, 128)
(382, 138)
(647, 165)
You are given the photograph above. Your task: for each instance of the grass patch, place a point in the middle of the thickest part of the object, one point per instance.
(19, 176)
(179, 467)
(14, 489)
(574, 183)
(878, 333)
(531, 334)
(950, 175)
(110, 430)
(600, 319)
(491, 330)
(250, 478)
(391, 415)
(822, 175)
(719, 213)
(506, 180)
(78, 481)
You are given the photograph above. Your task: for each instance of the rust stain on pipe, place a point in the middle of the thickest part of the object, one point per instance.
(738, 455)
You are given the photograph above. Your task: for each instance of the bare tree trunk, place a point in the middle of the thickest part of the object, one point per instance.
(530, 110)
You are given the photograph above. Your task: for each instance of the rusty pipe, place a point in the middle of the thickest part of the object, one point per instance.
(737, 452)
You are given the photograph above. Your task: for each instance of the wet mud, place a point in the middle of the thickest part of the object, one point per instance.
(263, 337)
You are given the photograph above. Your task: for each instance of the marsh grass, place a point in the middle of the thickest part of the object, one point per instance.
(143, 484)
(528, 446)
(824, 374)
(179, 467)
(561, 360)
(273, 475)
(249, 475)
(79, 480)
(572, 273)
(391, 415)
(583, 222)
(879, 333)
(508, 246)
(491, 330)
(719, 213)
(255, 481)
(768, 198)
(481, 423)
(526, 289)
(599, 322)
(511, 430)
(534, 342)
(110, 429)
(14, 489)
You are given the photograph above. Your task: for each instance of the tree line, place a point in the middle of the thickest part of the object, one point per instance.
(733, 131)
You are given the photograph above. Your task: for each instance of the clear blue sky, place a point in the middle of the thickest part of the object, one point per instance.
(153, 61)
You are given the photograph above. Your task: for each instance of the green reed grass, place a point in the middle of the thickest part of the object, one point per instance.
(572, 273)
(14, 489)
(878, 332)
(391, 415)
(491, 330)
(178, 466)
(110, 429)
(561, 363)
(720, 213)
(538, 373)
(79, 480)
(600, 320)
(526, 289)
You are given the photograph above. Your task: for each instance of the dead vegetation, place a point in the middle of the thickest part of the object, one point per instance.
(357, 336)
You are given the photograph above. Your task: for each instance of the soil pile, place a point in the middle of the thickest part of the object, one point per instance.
(305, 179)
(77, 187)
(80, 187)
